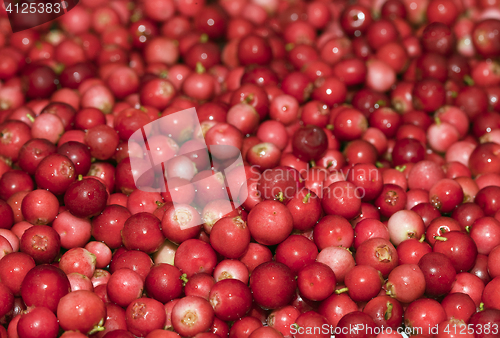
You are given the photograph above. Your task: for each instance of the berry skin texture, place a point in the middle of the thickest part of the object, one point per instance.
(81, 310)
(273, 285)
(406, 283)
(86, 198)
(270, 222)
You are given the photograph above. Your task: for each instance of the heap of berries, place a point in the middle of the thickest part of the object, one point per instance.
(366, 205)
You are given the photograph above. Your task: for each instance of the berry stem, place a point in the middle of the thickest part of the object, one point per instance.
(184, 279)
(439, 238)
(339, 291)
(388, 312)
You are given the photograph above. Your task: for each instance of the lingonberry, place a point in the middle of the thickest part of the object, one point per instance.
(439, 273)
(272, 284)
(269, 215)
(339, 259)
(195, 256)
(231, 299)
(124, 286)
(459, 247)
(44, 285)
(363, 283)
(42, 243)
(385, 311)
(81, 310)
(406, 283)
(391, 200)
(424, 314)
(39, 322)
(458, 306)
(296, 252)
(142, 231)
(378, 253)
(33, 152)
(86, 197)
(231, 268)
(56, 173)
(485, 232)
(230, 237)
(40, 207)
